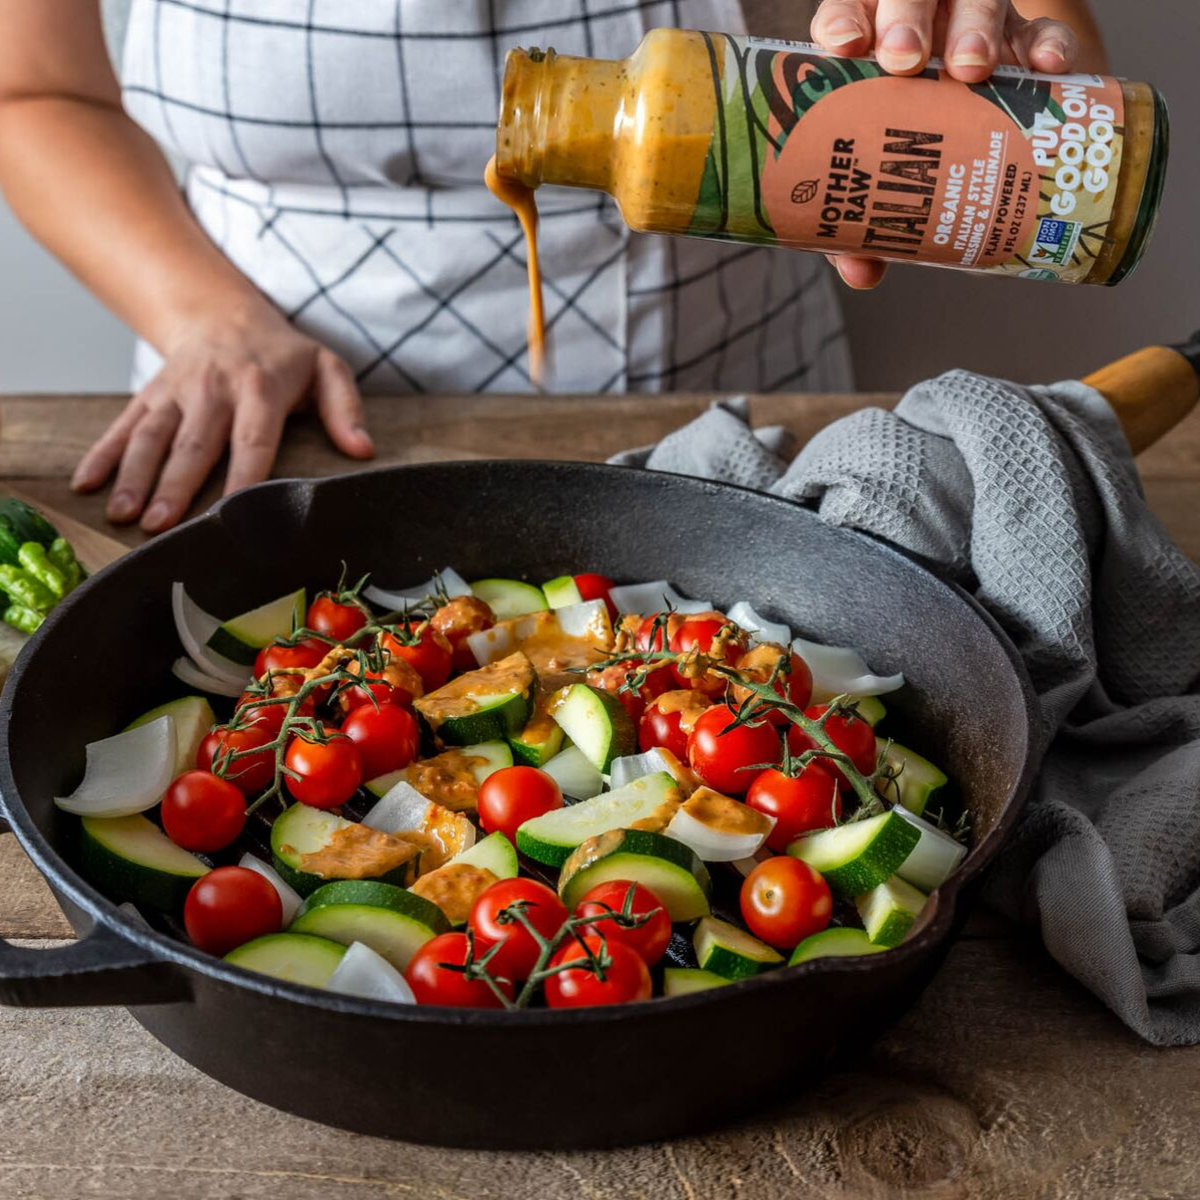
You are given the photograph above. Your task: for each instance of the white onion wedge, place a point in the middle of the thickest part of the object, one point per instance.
(840, 671)
(126, 773)
(289, 899)
(195, 627)
(405, 810)
(653, 597)
(588, 619)
(742, 615)
(744, 866)
(625, 770)
(575, 774)
(186, 671)
(369, 976)
(491, 645)
(697, 827)
(452, 583)
(934, 858)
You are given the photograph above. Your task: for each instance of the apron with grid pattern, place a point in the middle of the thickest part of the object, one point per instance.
(335, 150)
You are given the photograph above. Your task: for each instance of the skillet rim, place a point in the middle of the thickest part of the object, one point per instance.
(166, 950)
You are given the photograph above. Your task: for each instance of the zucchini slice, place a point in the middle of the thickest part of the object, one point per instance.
(683, 981)
(509, 598)
(493, 703)
(934, 858)
(241, 638)
(597, 723)
(647, 802)
(494, 853)
(395, 923)
(730, 952)
(668, 868)
(345, 850)
(918, 781)
(130, 858)
(889, 911)
(562, 591)
(859, 855)
(542, 737)
(192, 717)
(839, 942)
(872, 710)
(455, 887)
(296, 957)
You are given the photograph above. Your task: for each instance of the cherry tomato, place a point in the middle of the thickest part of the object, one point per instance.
(252, 773)
(432, 983)
(596, 587)
(204, 813)
(626, 976)
(612, 680)
(457, 620)
(647, 639)
(852, 735)
(698, 633)
(387, 737)
(513, 795)
(518, 952)
(303, 656)
(793, 685)
(229, 907)
(328, 773)
(800, 803)
(334, 619)
(649, 940)
(784, 900)
(425, 649)
(397, 683)
(723, 756)
(662, 724)
(269, 715)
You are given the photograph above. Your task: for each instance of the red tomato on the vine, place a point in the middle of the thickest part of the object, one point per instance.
(662, 722)
(433, 983)
(784, 900)
(518, 952)
(793, 685)
(626, 976)
(513, 795)
(250, 774)
(324, 774)
(202, 813)
(799, 803)
(425, 649)
(335, 619)
(852, 735)
(302, 656)
(596, 587)
(698, 633)
(724, 755)
(387, 737)
(456, 620)
(231, 906)
(649, 940)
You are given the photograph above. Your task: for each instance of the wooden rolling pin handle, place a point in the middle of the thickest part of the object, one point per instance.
(1151, 390)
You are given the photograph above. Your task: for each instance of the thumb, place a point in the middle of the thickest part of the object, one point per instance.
(340, 406)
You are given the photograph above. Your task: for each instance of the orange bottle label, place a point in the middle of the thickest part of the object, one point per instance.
(1017, 175)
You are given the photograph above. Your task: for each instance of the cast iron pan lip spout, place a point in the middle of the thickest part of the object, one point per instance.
(69, 884)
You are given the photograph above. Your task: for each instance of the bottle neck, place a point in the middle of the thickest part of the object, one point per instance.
(559, 119)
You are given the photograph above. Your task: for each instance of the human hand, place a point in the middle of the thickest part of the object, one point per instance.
(230, 382)
(973, 36)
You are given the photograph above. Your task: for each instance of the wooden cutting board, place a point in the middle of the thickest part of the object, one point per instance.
(93, 548)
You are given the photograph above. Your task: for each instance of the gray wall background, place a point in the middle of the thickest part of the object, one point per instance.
(55, 337)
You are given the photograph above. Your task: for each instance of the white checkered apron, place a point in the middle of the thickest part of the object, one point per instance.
(335, 150)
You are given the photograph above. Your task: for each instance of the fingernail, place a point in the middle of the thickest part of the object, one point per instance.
(841, 32)
(1054, 46)
(157, 515)
(971, 50)
(902, 45)
(364, 439)
(122, 506)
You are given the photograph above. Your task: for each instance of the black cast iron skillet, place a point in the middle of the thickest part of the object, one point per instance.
(595, 1077)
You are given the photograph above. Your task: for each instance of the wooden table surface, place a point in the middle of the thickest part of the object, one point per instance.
(1006, 1081)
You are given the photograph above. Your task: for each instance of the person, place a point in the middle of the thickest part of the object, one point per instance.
(333, 236)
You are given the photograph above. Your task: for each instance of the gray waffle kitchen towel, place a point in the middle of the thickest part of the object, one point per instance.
(1029, 498)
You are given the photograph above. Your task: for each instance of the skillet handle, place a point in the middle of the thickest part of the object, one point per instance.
(101, 968)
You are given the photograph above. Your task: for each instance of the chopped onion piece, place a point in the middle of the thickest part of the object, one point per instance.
(742, 615)
(840, 671)
(195, 627)
(491, 645)
(289, 898)
(575, 774)
(646, 598)
(586, 620)
(934, 858)
(401, 810)
(187, 671)
(635, 766)
(716, 845)
(452, 583)
(744, 866)
(126, 773)
(370, 976)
